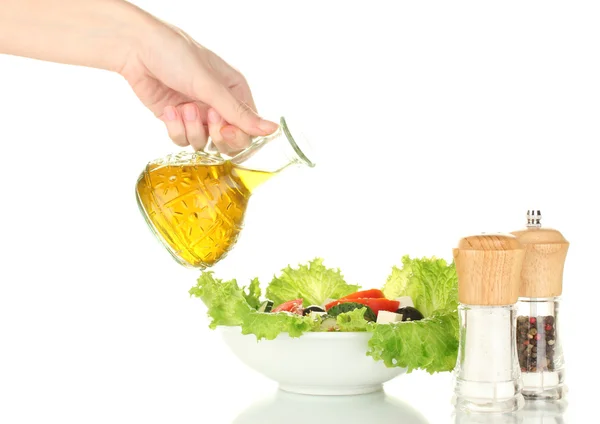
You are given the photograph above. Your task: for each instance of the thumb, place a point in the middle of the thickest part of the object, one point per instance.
(238, 113)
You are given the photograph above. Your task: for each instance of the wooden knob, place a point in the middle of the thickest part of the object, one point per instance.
(545, 254)
(489, 269)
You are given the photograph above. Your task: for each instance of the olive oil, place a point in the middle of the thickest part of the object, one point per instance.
(197, 209)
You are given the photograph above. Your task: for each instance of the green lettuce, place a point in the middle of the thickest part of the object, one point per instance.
(430, 282)
(253, 294)
(230, 305)
(226, 301)
(314, 283)
(354, 321)
(270, 325)
(430, 344)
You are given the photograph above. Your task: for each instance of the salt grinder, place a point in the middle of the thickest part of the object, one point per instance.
(538, 340)
(487, 375)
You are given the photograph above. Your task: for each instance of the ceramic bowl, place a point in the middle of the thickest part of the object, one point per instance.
(315, 363)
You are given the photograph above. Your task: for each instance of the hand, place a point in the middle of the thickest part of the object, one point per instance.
(194, 92)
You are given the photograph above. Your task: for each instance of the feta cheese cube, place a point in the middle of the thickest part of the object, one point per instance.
(405, 301)
(387, 317)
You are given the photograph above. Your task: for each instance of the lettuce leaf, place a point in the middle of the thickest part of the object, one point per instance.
(430, 344)
(253, 294)
(270, 325)
(226, 301)
(431, 283)
(354, 321)
(230, 305)
(314, 283)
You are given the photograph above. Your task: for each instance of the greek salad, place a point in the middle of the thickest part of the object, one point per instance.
(377, 308)
(412, 317)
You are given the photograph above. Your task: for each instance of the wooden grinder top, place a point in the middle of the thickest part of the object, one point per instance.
(545, 254)
(489, 269)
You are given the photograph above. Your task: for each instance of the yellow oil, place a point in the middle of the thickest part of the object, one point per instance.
(197, 210)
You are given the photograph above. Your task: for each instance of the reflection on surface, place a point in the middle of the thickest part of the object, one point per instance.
(483, 418)
(543, 412)
(288, 408)
(532, 413)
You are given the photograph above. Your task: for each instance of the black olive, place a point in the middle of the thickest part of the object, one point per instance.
(410, 314)
(313, 308)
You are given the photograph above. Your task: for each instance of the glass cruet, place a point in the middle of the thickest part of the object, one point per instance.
(487, 376)
(538, 330)
(195, 202)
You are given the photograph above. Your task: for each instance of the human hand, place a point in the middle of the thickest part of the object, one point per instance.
(193, 91)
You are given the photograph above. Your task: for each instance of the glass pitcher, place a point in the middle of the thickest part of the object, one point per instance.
(195, 202)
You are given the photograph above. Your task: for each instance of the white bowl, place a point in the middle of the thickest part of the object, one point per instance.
(314, 363)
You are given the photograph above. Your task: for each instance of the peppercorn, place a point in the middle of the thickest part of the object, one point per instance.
(536, 338)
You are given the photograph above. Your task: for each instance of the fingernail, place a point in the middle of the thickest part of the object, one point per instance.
(213, 116)
(170, 113)
(267, 127)
(228, 133)
(190, 113)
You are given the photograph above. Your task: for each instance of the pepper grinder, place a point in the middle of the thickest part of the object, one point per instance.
(538, 343)
(487, 377)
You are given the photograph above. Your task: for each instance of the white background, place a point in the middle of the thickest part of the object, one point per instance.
(432, 120)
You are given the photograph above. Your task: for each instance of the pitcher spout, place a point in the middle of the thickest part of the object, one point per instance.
(284, 148)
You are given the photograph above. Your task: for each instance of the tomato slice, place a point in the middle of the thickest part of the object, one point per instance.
(293, 306)
(365, 294)
(380, 304)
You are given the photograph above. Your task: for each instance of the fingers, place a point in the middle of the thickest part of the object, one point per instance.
(175, 126)
(228, 138)
(215, 123)
(235, 111)
(194, 128)
(185, 126)
(235, 138)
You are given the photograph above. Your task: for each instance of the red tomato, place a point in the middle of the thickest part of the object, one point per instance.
(365, 294)
(381, 304)
(293, 306)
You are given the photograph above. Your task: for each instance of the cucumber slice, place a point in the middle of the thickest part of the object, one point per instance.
(334, 311)
(328, 323)
(266, 306)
